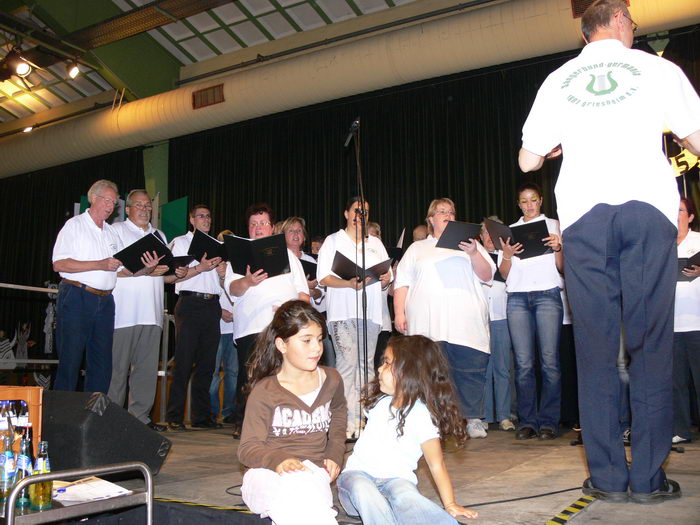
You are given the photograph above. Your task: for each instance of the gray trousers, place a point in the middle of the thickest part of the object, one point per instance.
(135, 351)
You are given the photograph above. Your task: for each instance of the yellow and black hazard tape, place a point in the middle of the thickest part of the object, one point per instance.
(571, 511)
(193, 504)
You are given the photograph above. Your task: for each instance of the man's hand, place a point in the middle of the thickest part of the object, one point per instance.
(110, 264)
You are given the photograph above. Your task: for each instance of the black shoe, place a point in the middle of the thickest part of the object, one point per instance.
(207, 423)
(236, 434)
(525, 433)
(176, 427)
(156, 427)
(669, 490)
(547, 434)
(613, 497)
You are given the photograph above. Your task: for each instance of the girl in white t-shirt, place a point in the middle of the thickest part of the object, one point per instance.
(411, 406)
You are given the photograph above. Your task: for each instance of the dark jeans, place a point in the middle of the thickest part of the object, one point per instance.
(196, 341)
(244, 346)
(468, 371)
(686, 368)
(615, 256)
(84, 322)
(534, 321)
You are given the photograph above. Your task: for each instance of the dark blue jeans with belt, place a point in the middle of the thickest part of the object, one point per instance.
(84, 322)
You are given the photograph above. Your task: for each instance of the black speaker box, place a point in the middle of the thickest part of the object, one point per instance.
(87, 430)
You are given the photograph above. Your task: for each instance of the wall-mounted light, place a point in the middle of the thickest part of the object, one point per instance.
(27, 129)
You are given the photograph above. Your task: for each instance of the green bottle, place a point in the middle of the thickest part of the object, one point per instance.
(24, 469)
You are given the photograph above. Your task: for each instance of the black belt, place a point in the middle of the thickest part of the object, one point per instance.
(206, 296)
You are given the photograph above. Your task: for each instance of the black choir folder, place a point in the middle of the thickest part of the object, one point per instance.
(203, 243)
(346, 269)
(177, 262)
(687, 263)
(530, 235)
(309, 269)
(456, 232)
(130, 256)
(268, 253)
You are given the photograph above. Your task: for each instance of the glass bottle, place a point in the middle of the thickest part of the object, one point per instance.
(7, 468)
(24, 469)
(40, 493)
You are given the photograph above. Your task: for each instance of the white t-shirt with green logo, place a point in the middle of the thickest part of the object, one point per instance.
(608, 108)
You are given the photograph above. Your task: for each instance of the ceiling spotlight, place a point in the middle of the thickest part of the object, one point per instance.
(72, 69)
(27, 129)
(22, 68)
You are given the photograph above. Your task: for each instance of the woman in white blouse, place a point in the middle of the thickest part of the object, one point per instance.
(344, 305)
(686, 327)
(437, 293)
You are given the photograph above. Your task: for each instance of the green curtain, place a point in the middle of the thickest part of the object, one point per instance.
(33, 208)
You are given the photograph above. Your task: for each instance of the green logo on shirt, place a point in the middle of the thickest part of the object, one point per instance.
(605, 83)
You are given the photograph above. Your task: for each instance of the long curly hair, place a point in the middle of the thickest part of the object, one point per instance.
(420, 372)
(265, 360)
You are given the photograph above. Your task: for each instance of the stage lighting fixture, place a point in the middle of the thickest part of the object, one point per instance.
(16, 64)
(72, 69)
(22, 68)
(27, 129)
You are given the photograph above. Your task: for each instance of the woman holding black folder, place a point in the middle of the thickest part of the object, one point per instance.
(344, 304)
(437, 294)
(535, 310)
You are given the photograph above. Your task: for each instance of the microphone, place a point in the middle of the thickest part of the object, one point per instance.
(353, 128)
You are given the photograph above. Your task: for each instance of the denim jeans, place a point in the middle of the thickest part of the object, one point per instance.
(84, 326)
(468, 371)
(497, 393)
(534, 320)
(226, 354)
(393, 501)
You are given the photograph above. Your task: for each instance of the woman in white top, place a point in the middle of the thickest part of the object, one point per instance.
(256, 297)
(437, 293)
(344, 305)
(535, 311)
(686, 326)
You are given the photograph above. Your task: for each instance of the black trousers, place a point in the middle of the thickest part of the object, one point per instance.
(621, 265)
(196, 341)
(244, 346)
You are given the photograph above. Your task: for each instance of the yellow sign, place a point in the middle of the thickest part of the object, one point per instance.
(683, 162)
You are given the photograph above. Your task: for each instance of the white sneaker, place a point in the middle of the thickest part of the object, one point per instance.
(476, 428)
(677, 439)
(506, 424)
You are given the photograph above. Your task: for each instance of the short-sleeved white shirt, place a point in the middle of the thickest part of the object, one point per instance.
(534, 273)
(444, 300)
(687, 309)
(608, 108)
(137, 300)
(205, 282)
(226, 304)
(320, 303)
(346, 303)
(253, 310)
(82, 240)
(496, 297)
(381, 453)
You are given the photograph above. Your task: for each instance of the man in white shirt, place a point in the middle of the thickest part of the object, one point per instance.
(138, 319)
(197, 314)
(618, 205)
(82, 255)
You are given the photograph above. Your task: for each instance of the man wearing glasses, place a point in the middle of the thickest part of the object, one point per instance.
(197, 314)
(618, 205)
(82, 255)
(138, 319)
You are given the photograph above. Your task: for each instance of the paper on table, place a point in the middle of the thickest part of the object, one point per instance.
(86, 489)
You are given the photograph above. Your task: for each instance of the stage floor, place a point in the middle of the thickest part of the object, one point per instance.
(203, 464)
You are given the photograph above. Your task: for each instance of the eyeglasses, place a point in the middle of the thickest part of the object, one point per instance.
(111, 201)
(295, 231)
(202, 216)
(140, 206)
(635, 26)
(261, 223)
(444, 212)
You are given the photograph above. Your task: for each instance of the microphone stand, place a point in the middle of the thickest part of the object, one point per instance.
(362, 350)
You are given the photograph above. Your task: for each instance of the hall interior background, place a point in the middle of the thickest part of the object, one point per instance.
(455, 136)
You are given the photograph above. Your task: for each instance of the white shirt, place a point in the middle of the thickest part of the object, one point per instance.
(444, 300)
(381, 453)
(687, 310)
(226, 304)
(346, 303)
(205, 282)
(82, 240)
(320, 303)
(137, 300)
(253, 310)
(496, 297)
(608, 108)
(534, 274)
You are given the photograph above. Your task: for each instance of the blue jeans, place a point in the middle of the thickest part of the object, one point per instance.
(226, 354)
(468, 371)
(497, 389)
(84, 326)
(393, 501)
(534, 320)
